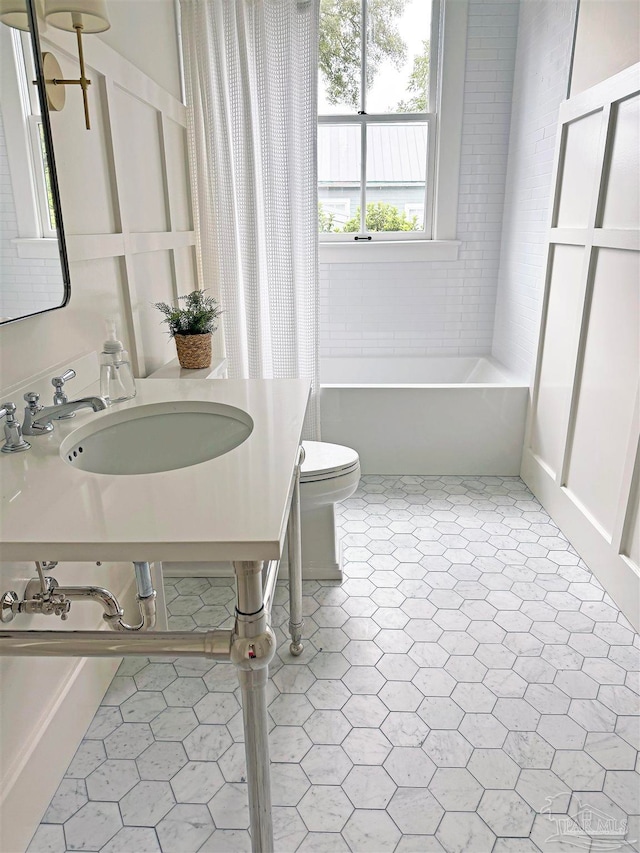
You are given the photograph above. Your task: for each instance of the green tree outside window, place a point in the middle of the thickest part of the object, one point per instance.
(380, 217)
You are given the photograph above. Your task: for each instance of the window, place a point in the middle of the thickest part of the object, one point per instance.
(26, 150)
(31, 112)
(376, 134)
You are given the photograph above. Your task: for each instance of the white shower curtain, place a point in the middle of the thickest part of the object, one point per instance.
(251, 86)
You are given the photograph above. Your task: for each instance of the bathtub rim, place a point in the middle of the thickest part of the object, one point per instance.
(509, 379)
(414, 385)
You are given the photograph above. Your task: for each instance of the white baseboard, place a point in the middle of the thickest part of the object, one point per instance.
(27, 794)
(311, 572)
(615, 571)
(314, 571)
(197, 570)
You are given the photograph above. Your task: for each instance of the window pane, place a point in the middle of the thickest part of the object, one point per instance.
(340, 57)
(338, 178)
(398, 35)
(51, 210)
(29, 92)
(396, 173)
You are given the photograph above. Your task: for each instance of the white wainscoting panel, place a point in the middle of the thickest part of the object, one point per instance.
(84, 155)
(579, 165)
(581, 456)
(179, 189)
(561, 337)
(631, 541)
(186, 268)
(135, 124)
(621, 207)
(607, 387)
(154, 277)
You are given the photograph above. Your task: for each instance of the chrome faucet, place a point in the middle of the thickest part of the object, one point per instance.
(37, 418)
(13, 440)
(60, 398)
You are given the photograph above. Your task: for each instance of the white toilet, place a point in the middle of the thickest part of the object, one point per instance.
(329, 473)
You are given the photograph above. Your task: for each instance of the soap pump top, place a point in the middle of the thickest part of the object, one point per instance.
(112, 344)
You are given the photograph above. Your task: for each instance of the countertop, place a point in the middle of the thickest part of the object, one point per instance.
(233, 507)
(172, 370)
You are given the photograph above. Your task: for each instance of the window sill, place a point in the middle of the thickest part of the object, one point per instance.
(44, 248)
(388, 251)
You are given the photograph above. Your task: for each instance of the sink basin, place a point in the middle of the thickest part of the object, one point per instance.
(156, 437)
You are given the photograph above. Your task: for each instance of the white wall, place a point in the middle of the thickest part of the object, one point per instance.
(144, 31)
(441, 308)
(543, 58)
(607, 41)
(127, 214)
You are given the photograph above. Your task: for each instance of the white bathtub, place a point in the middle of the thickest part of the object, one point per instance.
(425, 415)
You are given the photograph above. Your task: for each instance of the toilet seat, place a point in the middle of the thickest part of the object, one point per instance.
(324, 461)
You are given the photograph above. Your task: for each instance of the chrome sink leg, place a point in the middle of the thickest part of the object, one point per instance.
(253, 647)
(296, 622)
(256, 744)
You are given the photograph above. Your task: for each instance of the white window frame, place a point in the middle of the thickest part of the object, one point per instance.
(438, 240)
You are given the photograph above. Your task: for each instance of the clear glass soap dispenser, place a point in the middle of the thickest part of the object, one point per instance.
(116, 378)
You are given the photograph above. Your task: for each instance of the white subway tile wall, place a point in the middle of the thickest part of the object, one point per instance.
(441, 308)
(545, 36)
(28, 284)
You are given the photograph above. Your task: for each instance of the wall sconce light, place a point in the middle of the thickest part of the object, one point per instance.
(14, 13)
(79, 16)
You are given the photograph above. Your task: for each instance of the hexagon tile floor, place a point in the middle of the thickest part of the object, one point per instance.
(469, 687)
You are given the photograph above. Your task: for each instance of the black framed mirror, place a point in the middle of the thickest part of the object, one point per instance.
(34, 267)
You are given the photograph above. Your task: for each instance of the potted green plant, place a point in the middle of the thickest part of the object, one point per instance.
(191, 324)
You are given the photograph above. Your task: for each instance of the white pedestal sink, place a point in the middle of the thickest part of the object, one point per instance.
(156, 437)
(200, 502)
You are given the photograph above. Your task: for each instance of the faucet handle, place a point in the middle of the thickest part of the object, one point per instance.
(59, 398)
(33, 401)
(32, 412)
(8, 410)
(58, 381)
(13, 440)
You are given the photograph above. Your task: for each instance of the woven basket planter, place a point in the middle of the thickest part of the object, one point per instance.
(194, 351)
